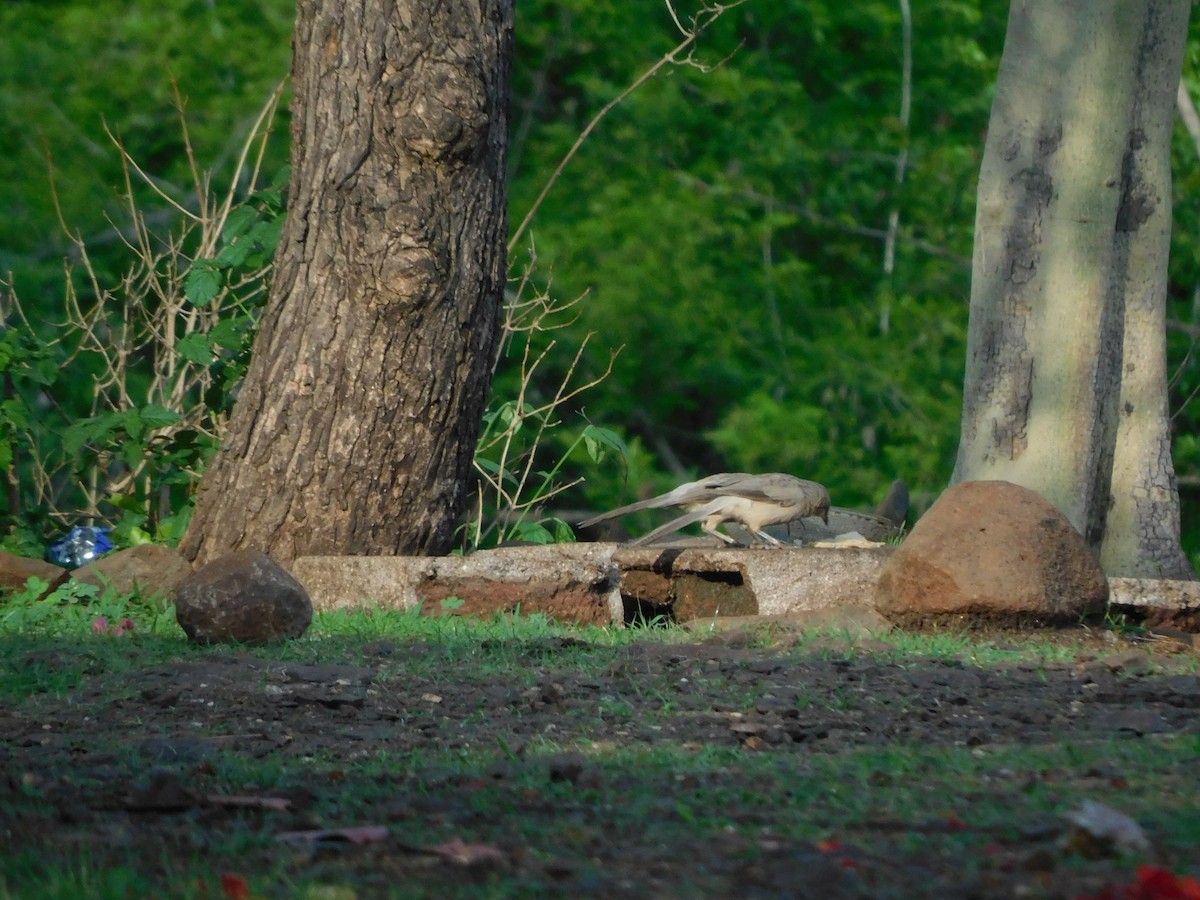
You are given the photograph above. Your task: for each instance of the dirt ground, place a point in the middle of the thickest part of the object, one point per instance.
(554, 768)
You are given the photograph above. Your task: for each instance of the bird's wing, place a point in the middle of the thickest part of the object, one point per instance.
(774, 487)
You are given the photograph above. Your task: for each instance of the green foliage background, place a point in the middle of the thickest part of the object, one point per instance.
(727, 225)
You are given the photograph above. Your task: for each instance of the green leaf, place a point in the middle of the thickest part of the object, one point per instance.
(171, 529)
(282, 177)
(600, 441)
(14, 413)
(155, 416)
(563, 534)
(94, 430)
(196, 347)
(203, 282)
(535, 533)
(238, 223)
(233, 255)
(266, 234)
(230, 333)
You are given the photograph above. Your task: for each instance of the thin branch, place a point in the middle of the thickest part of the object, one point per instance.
(675, 56)
(889, 244)
(827, 221)
(1188, 114)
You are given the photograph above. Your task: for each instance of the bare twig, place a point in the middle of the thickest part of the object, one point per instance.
(889, 242)
(680, 54)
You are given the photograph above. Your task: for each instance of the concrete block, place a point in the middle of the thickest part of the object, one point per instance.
(568, 582)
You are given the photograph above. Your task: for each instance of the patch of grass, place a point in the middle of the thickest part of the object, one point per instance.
(947, 803)
(79, 878)
(626, 790)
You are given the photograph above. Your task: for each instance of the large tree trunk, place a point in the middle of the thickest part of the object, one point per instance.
(1065, 389)
(356, 425)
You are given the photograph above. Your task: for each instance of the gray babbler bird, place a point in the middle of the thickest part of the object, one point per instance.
(753, 501)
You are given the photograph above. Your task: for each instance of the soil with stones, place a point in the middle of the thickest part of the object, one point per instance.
(552, 767)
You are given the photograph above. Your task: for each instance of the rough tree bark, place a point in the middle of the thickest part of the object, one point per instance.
(1066, 389)
(356, 425)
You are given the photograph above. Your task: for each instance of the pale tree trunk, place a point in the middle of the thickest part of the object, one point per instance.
(1065, 388)
(356, 425)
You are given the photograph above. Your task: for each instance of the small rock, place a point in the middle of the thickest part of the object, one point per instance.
(163, 791)
(148, 570)
(994, 551)
(245, 597)
(568, 766)
(1099, 831)
(1138, 721)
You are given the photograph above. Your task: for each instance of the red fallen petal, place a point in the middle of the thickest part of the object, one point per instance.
(1155, 883)
(847, 863)
(234, 886)
(829, 846)
(954, 823)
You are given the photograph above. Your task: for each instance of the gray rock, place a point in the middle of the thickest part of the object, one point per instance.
(991, 550)
(245, 597)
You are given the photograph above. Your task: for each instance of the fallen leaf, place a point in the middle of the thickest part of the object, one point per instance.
(245, 801)
(234, 886)
(361, 834)
(458, 851)
(1153, 883)
(330, 892)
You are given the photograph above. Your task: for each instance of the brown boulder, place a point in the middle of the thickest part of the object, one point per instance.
(148, 570)
(15, 572)
(994, 551)
(245, 597)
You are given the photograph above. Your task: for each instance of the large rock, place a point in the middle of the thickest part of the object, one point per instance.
(245, 597)
(15, 572)
(150, 570)
(994, 551)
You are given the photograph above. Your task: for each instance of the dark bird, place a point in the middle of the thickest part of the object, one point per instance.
(753, 501)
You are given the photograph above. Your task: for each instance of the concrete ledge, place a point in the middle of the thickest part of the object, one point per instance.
(604, 583)
(1160, 601)
(699, 583)
(569, 582)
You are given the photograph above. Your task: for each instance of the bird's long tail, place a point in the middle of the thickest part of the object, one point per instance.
(683, 521)
(651, 503)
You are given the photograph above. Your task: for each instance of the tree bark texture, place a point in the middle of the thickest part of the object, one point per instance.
(355, 429)
(1065, 389)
